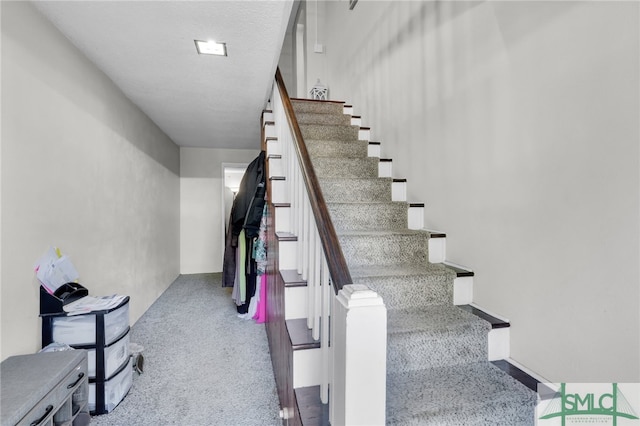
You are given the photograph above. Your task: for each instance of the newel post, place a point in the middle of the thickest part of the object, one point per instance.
(359, 346)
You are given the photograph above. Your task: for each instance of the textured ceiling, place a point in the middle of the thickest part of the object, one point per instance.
(147, 48)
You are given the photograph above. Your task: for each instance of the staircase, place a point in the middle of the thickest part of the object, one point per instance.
(438, 371)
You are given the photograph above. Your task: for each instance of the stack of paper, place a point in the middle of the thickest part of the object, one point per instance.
(91, 303)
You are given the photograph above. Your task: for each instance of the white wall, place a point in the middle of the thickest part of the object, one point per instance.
(201, 213)
(312, 16)
(82, 169)
(518, 124)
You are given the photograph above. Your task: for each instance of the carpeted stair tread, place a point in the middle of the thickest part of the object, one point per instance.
(385, 232)
(337, 148)
(410, 291)
(382, 271)
(368, 215)
(308, 105)
(435, 318)
(384, 247)
(477, 394)
(336, 132)
(406, 286)
(356, 189)
(434, 336)
(323, 118)
(330, 167)
(366, 204)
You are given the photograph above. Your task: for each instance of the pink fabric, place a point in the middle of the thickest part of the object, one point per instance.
(261, 314)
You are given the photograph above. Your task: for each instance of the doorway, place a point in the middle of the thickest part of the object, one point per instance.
(232, 174)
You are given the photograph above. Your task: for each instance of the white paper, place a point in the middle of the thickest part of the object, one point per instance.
(53, 270)
(88, 304)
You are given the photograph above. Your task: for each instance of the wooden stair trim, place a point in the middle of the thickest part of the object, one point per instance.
(300, 336)
(518, 374)
(315, 100)
(291, 278)
(460, 272)
(312, 411)
(286, 236)
(495, 322)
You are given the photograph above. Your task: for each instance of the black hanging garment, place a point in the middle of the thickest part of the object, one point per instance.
(246, 214)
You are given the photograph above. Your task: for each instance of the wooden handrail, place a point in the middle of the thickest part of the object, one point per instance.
(338, 269)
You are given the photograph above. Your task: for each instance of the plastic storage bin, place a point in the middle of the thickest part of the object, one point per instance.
(81, 329)
(115, 389)
(114, 356)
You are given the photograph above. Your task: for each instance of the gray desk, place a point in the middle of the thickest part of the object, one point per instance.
(44, 389)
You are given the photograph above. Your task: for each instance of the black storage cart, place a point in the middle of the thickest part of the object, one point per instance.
(108, 334)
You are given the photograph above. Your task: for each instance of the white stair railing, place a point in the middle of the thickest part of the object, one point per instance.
(349, 320)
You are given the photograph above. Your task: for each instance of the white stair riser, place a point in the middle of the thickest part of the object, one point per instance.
(287, 254)
(270, 130)
(437, 249)
(282, 219)
(384, 169)
(295, 303)
(356, 121)
(273, 147)
(499, 344)
(462, 290)
(398, 191)
(373, 150)
(267, 116)
(279, 192)
(416, 221)
(307, 367)
(276, 167)
(364, 134)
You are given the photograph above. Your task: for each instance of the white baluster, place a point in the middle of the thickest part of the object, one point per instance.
(311, 281)
(327, 294)
(317, 289)
(300, 207)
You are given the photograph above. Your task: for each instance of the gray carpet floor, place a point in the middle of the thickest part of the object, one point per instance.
(202, 364)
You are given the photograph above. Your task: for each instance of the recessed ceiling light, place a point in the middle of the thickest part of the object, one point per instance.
(211, 48)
